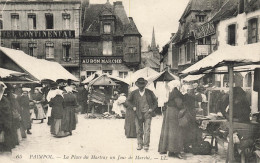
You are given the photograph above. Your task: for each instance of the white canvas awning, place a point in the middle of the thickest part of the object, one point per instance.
(193, 77)
(4, 73)
(237, 55)
(39, 69)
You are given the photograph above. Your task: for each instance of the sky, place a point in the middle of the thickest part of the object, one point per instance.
(163, 15)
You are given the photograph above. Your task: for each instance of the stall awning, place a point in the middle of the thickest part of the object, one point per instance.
(39, 69)
(102, 80)
(238, 55)
(193, 77)
(4, 73)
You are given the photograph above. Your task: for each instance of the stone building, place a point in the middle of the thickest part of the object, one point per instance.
(46, 29)
(110, 41)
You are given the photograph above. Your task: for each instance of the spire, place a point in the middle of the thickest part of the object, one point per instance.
(153, 44)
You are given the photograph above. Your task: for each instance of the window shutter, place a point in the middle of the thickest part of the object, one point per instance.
(249, 32)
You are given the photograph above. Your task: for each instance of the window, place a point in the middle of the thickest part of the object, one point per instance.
(232, 34)
(107, 72)
(66, 51)
(32, 49)
(66, 20)
(187, 54)
(252, 31)
(49, 49)
(49, 21)
(200, 18)
(93, 51)
(89, 73)
(15, 45)
(107, 47)
(32, 21)
(123, 74)
(14, 21)
(107, 28)
(1, 22)
(131, 50)
(180, 51)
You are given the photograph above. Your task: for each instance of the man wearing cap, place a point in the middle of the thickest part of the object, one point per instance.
(143, 102)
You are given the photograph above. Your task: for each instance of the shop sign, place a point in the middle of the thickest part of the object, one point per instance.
(203, 49)
(55, 34)
(102, 60)
(204, 30)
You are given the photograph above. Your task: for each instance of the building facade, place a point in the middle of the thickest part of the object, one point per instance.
(46, 29)
(110, 41)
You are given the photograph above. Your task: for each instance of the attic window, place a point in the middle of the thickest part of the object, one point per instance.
(107, 28)
(200, 18)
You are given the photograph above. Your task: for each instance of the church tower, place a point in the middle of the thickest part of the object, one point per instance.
(152, 47)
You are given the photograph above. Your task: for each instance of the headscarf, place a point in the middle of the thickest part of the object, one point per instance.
(2, 89)
(53, 93)
(68, 89)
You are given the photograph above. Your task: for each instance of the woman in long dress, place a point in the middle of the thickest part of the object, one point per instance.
(56, 102)
(171, 136)
(37, 98)
(70, 104)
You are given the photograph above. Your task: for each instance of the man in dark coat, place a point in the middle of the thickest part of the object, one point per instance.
(143, 102)
(24, 104)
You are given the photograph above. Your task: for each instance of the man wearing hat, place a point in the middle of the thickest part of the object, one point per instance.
(143, 102)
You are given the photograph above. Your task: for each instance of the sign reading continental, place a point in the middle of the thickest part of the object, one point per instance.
(204, 30)
(102, 60)
(55, 34)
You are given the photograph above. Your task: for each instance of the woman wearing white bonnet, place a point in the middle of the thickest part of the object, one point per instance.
(171, 136)
(2, 89)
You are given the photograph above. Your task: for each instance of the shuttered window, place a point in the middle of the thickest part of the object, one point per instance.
(252, 31)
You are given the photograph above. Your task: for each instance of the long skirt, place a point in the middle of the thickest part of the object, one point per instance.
(69, 119)
(26, 118)
(171, 139)
(56, 128)
(130, 128)
(40, 112)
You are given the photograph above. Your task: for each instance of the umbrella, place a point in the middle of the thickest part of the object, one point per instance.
(163, 76)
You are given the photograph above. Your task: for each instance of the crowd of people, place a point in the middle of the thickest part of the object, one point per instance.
(20, 106)
(59, 104)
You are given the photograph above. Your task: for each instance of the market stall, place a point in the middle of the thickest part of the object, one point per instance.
(37, 69)
(230, 57)
(102, 92)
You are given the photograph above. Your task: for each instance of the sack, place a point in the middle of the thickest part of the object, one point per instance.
(2, 137)
(183, 118)
(201, 148)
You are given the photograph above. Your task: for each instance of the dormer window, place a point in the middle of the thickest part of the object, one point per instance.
(201, 18)
(107, 28)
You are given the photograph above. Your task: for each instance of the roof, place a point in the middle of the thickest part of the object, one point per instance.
(91, 19)
(252, 6)
(196, 5)
(228, 10)
(238, 55)
(39, 69)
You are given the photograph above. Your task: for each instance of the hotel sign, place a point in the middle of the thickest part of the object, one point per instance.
(204, 30)
(102, 60)
(54, 34)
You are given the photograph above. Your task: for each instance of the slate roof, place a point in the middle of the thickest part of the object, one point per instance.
(228, 10)
(91, 24)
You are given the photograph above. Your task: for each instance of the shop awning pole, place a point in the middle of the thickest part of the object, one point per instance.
(231, 99)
